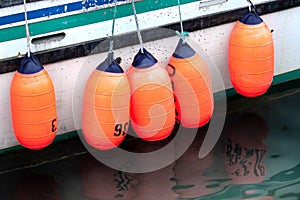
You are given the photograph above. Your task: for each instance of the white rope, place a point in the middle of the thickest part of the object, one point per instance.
(182, 34)
(111, 46)
(27, 29)
(137, 27)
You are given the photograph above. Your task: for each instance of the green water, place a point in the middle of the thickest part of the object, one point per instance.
(257, 157)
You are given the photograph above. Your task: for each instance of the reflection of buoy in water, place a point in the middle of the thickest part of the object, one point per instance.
(192, 86)
(245, 151)
(251, 56)
(191, 179)
(37, 186)
(33, 105)
(154, 184)
(152, 107)
(102, 182)
(105, 112)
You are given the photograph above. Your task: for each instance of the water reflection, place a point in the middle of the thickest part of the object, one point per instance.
(237, 160)
(245, 150)
(156, 185)
(236, 169)
(190, 177)
(33, 186)
(101, 182)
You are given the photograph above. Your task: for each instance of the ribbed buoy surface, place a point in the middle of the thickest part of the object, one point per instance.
(251, 56)
(105, 112)
(192, 87)
(152, 108)
(33, 105)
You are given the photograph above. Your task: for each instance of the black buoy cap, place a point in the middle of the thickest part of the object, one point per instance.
(251, 18)
(29, 65)
(143, 60)
(110, 65)
(183, 50)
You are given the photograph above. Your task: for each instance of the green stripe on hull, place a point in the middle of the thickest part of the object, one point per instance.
(86, 18)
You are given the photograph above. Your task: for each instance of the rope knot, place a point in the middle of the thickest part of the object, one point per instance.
(182, 35)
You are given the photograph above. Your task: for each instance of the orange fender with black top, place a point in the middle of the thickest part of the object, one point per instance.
(192, 87)
(33, 104)
(152, 108)
(251, 56)
(105, 111)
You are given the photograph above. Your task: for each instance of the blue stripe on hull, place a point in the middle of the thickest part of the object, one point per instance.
(61, 9)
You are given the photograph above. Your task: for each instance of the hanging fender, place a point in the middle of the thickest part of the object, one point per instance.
(152, 108)
(33, 104)
(251, 56)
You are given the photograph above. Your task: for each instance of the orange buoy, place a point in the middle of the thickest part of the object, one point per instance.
(105, 112)
(33, 104)
(251, 56)
(192, 86)
(152, 108)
